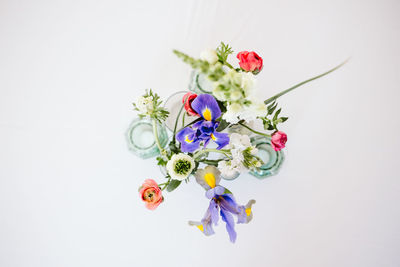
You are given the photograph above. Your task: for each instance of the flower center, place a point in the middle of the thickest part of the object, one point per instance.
(149, 195)
(182, 166)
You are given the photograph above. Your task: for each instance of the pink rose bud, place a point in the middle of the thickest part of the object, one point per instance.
(187, 100)
(278, 140)
(151, 194)
(250, 61)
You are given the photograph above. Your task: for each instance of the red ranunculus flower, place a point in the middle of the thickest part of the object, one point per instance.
(250, 61)
(278, 140)
(187, 100)
(151, 194)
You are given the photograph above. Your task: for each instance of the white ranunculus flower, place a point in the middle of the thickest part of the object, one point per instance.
(145, 104)
(180, 166)
(209, 55)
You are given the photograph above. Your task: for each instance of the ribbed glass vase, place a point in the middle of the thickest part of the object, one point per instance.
(141, 139)
(272, 159)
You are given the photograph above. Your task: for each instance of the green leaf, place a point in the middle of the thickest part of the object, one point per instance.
(223, 51)
(227, 191)
(276, 114)
(283, 119)
(272, 107)
(161, 161)
(173, 185)
(222, 125)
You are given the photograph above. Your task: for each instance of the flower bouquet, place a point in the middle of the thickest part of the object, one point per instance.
(211, 134)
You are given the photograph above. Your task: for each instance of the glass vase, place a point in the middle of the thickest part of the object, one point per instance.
(141, 139)
(272, 159)
(199, 83)
(174, 106)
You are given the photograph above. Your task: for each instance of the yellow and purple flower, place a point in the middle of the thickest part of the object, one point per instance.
(222, 201)
(204, 130)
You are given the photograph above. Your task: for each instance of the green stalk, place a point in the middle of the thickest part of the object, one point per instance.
(210, 161)
(155, 133)
(228, 65)
(254, 131)
(176, 123)
(269, 100)
(201, 152)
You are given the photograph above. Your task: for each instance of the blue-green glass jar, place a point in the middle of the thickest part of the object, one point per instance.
(272, 159)
(199, 83)
(141, 140)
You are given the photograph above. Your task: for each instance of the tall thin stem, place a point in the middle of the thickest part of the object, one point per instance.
(269, 100)
(254, 131)
(155, 133)
(201, 152)
(176, 122)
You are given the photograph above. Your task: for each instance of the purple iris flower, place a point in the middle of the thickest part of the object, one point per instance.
(222, 202)
(205, 129)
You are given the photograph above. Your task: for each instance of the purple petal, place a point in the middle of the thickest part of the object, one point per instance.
(210, 193)
(242, 216)
(219, 190)
(216, 191)
(207, 107)
(187, 138)
(230, 224)
(197, 124)
(228, 203)
(214, 212)
(222, 139)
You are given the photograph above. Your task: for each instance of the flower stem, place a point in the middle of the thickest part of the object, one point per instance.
(176, 122)
(210, 161)
(201, 152)
(254, 131)
(155, 133)
(165, 185)
(229, 65)
(269, 100)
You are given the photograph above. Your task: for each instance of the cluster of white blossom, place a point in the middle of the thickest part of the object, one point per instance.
(243, 156)
(145, 105)
(238, 90)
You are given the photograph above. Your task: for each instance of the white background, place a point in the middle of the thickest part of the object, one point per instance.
(69, 71)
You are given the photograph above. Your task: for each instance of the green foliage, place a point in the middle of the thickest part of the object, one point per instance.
(161, 161)
(173, 184)
(214, 72)
(271, 123)
(223, 51)
(158, 112)
(199, 64)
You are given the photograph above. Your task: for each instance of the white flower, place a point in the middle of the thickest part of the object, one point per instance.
(236, 95)
(238, 141)
(219, 94)
(209, 55)
(230, 168)
(248, 83)
(145, 104)
(242, 153)
(180, 166)
(232, 113)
